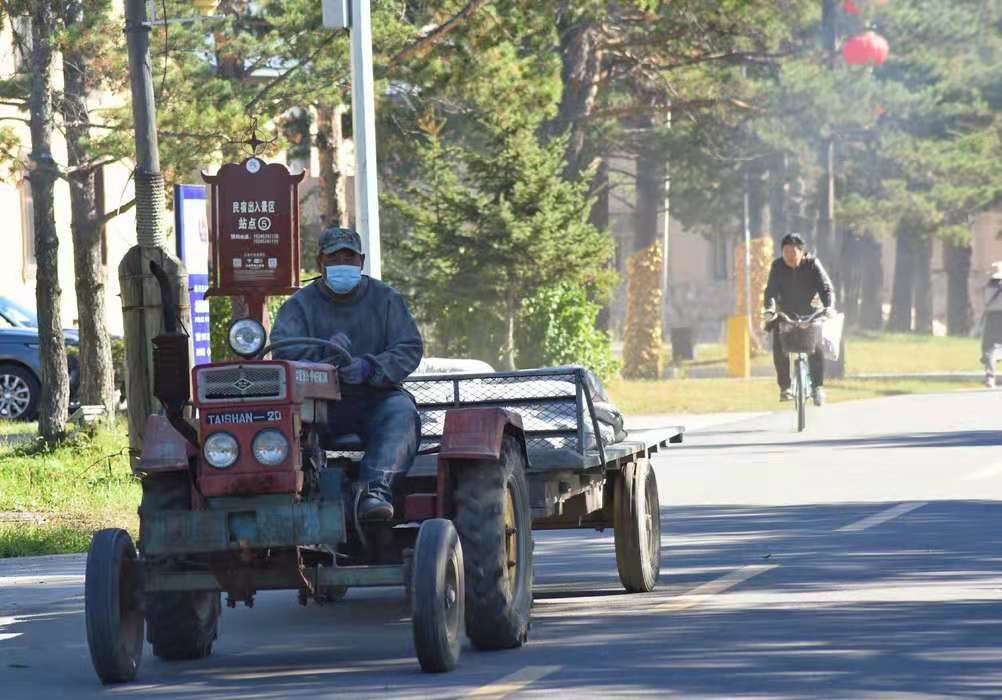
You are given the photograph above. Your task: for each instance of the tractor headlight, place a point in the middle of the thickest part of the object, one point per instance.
(221, 450)
(247, 337)
(270, 447)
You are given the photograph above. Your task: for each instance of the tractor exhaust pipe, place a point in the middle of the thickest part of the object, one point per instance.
(171, 383)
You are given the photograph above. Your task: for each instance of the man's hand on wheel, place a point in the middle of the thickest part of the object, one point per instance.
(359, 371)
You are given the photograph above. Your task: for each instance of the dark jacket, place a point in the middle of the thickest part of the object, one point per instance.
(794, 288)
(374, 318)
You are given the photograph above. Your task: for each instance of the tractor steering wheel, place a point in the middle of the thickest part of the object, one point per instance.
(339, 358)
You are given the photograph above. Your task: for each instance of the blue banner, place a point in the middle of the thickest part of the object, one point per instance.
(192, 226)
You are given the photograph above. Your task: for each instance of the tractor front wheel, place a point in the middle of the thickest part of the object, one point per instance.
(495, 527)
(437, 597)
(112, 606)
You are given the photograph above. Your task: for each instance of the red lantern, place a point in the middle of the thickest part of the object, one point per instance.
(850, 7)
(856, 51)
(861, 50)
(879, 48)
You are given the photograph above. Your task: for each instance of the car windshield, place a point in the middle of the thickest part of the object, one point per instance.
(17, 315)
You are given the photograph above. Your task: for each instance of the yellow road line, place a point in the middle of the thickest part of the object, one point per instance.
(701, 593)
(513, 683)
(881, 517)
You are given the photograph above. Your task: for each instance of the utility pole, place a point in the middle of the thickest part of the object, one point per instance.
(141, 301)
(355, 16)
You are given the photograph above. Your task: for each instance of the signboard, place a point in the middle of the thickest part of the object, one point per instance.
(192, 225)
(253, 229)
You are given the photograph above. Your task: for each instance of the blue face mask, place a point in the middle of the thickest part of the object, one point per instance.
(342, 278)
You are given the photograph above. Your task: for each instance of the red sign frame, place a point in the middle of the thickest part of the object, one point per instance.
(253, 230)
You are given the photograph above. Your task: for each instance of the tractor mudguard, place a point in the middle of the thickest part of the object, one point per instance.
(472, 434)
(164, 449)
(475, 433)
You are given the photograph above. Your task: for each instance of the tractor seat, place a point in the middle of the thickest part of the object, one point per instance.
(349, 442)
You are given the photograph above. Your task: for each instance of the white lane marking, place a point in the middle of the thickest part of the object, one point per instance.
(703, 592)
(513, 683)
(881, 517)
(988, 472)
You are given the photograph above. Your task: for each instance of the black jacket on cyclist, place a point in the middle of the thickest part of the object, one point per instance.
(794, 288)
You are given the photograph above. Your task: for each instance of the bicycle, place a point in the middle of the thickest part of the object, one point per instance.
(799, 336)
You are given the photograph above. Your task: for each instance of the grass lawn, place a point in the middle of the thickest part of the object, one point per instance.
(883, 353)
(674, 396)
(52, 500)
(14, 427)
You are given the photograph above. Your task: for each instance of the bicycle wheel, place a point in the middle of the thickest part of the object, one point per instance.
(801, 379)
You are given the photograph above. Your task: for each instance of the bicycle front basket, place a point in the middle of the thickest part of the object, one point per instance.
(795, 339)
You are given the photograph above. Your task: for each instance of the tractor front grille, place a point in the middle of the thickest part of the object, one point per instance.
(241, 383)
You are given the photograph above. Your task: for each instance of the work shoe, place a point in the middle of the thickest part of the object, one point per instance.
(818, 394)
(375, 503)
(989, 382)
(786, 394)
(373, 508)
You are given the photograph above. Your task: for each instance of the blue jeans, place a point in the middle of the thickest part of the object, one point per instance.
(390, 428)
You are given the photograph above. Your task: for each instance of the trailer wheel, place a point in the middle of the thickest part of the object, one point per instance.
(182, 625)
(112, 606)
(438, 596)
(637, 527)
(495, 527)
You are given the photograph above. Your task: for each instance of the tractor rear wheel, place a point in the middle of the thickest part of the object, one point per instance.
(637, 527)
(114, 616)
(180, 625)
(495, 527)
(437, 598)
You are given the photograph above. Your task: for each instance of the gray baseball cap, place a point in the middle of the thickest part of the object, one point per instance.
(336, 238)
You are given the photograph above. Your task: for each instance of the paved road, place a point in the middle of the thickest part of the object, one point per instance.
(862, 558)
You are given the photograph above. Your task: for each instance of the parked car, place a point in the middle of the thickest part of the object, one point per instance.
(20, 362)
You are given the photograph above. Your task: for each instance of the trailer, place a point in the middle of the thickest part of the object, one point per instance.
(583, 471)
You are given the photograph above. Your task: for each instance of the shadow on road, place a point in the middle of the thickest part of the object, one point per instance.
(910, 606)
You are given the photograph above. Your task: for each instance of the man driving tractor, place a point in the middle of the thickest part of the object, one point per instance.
(371, 321)
(794, 280)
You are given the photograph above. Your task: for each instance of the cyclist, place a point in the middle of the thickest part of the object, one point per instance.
(794, 280)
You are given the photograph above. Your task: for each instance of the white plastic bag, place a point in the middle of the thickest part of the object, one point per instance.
(831, 336)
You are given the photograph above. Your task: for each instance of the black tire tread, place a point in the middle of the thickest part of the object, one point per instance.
(180, 625)
(636, 572)
(112, 661)
(492, 620)
(437, 543)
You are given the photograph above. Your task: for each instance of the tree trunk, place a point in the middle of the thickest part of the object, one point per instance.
(852, 280)
(904, 282)
(509, 339)
(758, 203)
(97, 376)
(332, 191)
(55, 379)
(923, 286)
(580, 73)
(871, 315)
(650, 198)
(959, 312)
(599, 218)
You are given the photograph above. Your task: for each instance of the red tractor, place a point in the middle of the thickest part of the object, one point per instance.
(250, 497)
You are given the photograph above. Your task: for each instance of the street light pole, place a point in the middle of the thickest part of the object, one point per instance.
(354, 15)
(363, 110)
